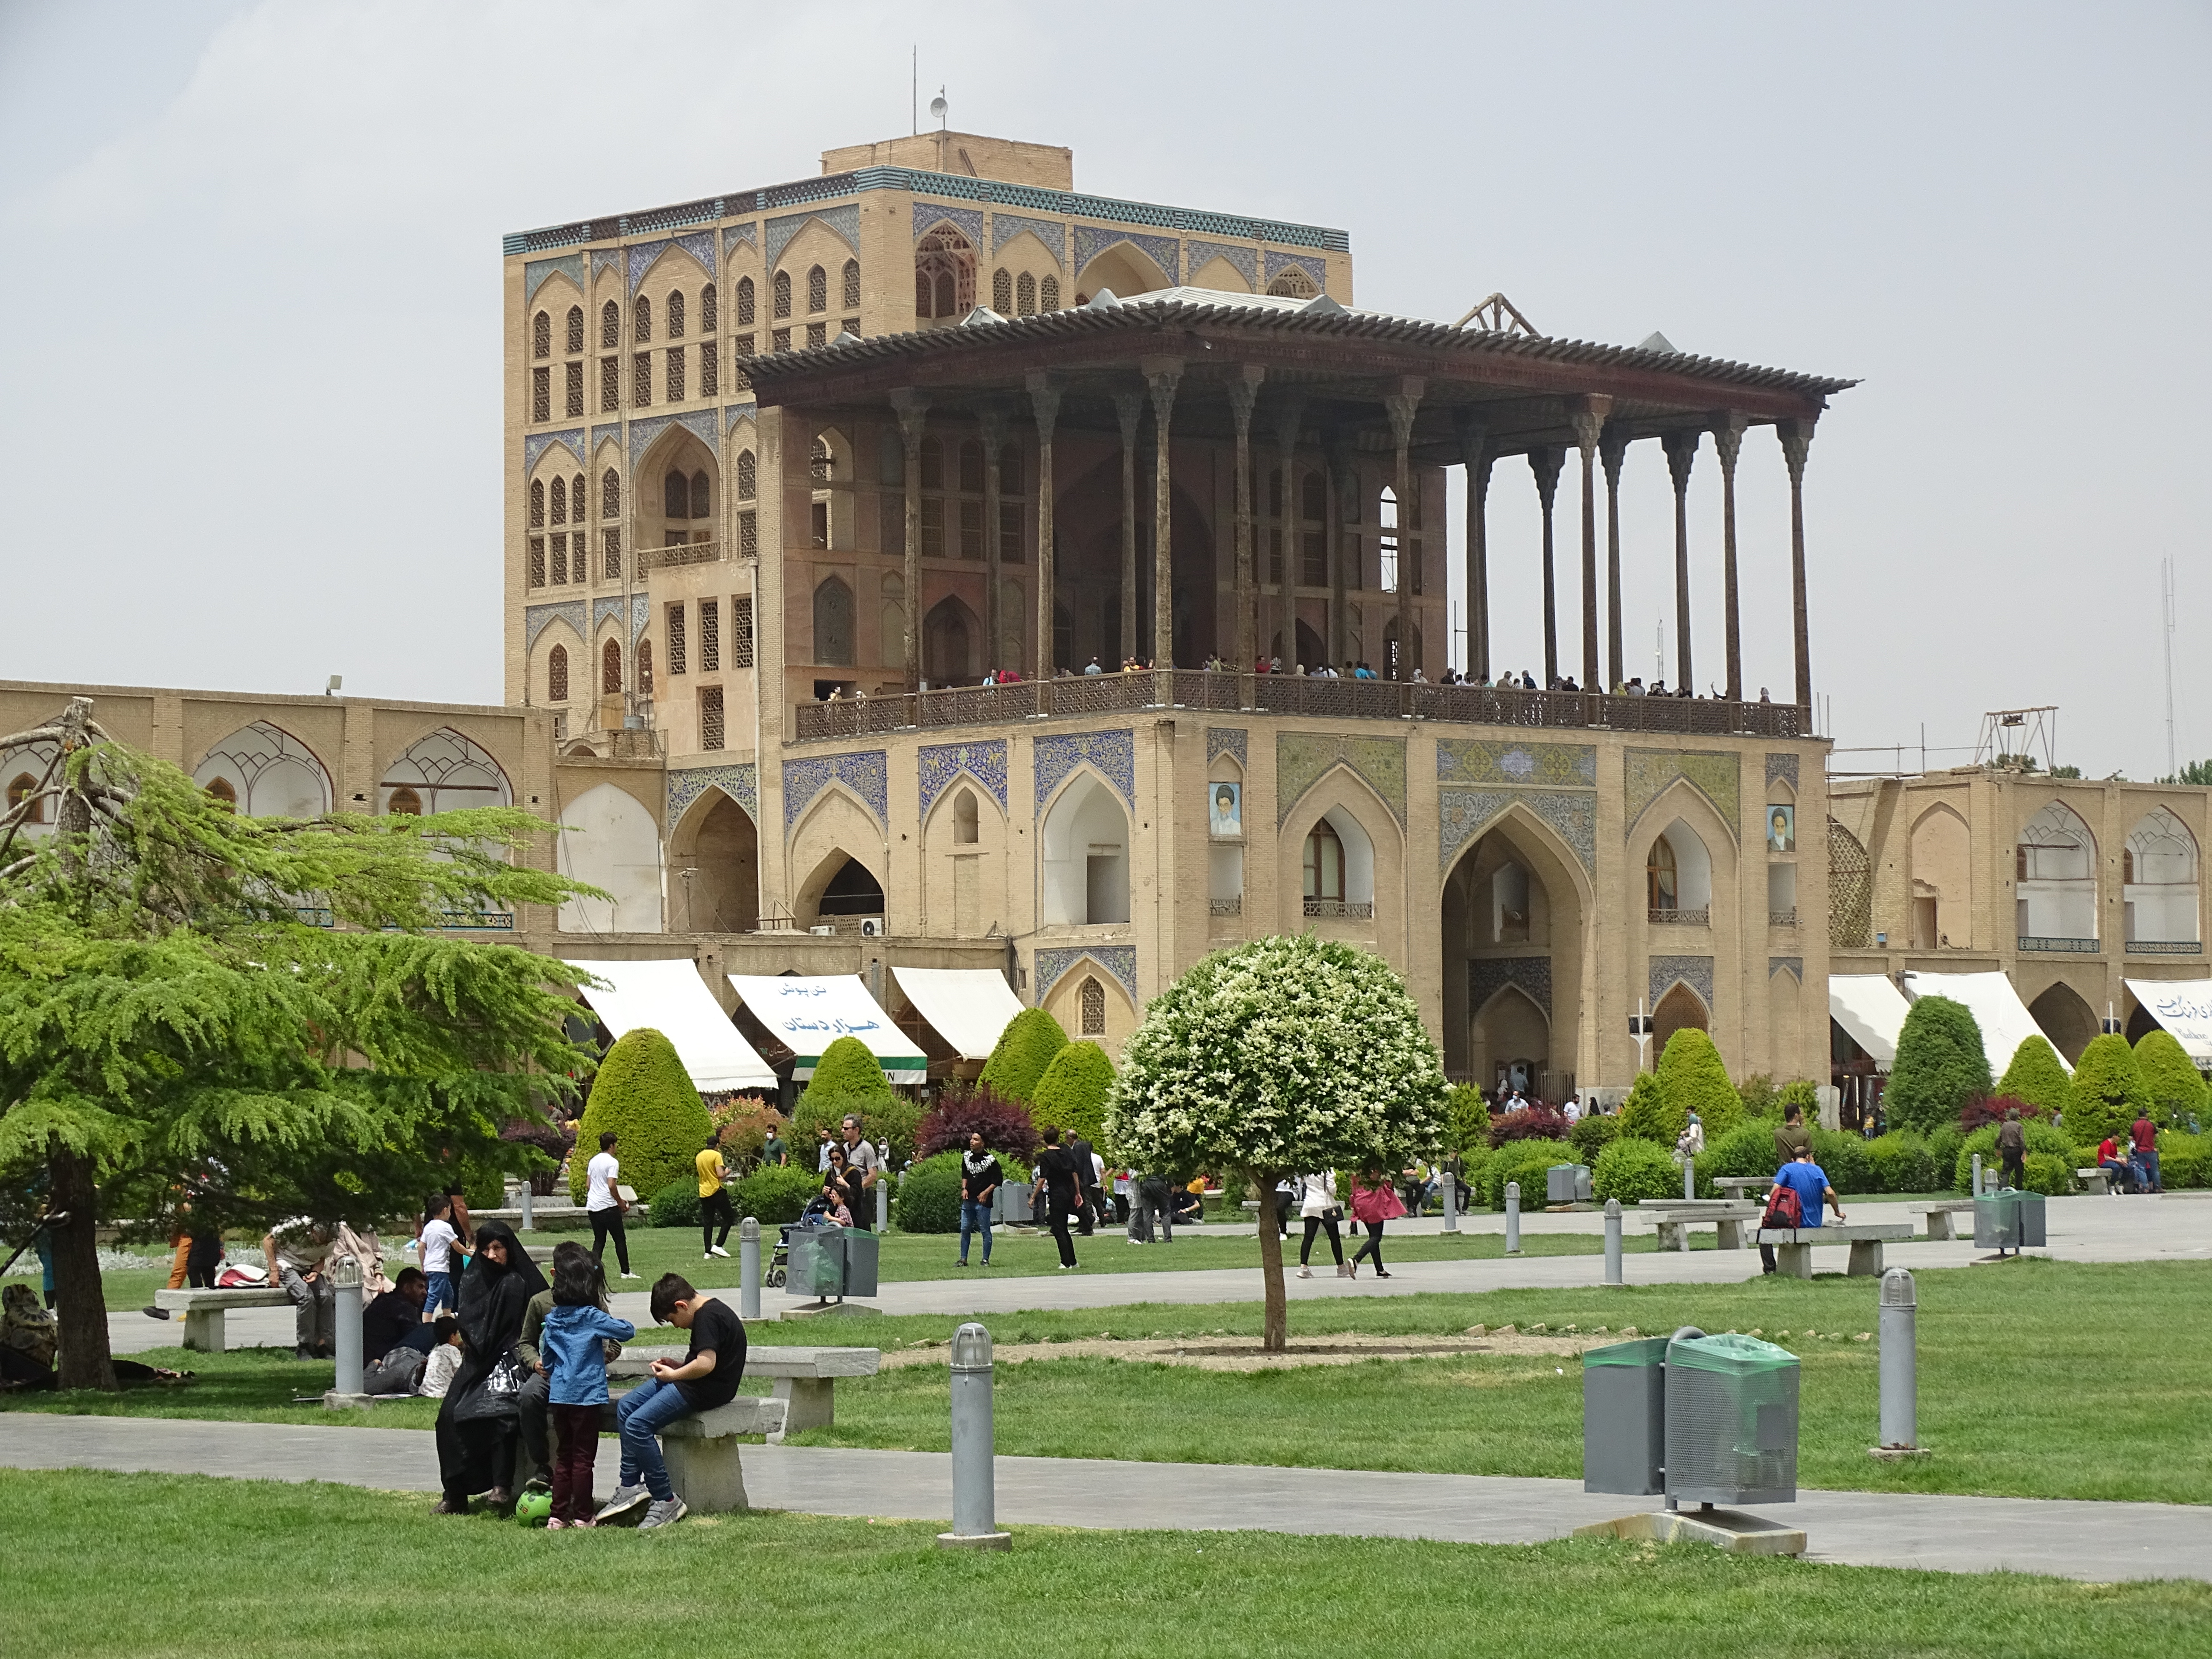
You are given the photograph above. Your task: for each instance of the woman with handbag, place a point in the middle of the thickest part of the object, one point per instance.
(477, 1421)
(1317, 1206)
(1374, 1202)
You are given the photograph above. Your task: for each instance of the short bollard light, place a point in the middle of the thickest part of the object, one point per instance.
(1613, 1242)
(883, 1205)
(1512, 1217)
(749, 1272)
(1450, 1187)
(524, 1198)
(1978, 1174)
(975, 1474)
(1900, 1385)
(346, 1282)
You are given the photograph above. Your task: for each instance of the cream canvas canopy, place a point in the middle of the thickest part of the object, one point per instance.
(808, 1015)
(671, 998)
(1997, 1008)
(2183, 1008)
(969, 1007)
(1871, 1010)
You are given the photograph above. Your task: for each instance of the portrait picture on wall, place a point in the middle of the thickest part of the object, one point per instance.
(1225, 811)
(1781, 829)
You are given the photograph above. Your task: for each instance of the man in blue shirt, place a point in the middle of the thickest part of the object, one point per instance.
(1810, 1182)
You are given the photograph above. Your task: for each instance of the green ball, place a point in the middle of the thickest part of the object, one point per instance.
(534, 1509)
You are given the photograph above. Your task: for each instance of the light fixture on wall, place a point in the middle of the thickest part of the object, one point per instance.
(332, 689)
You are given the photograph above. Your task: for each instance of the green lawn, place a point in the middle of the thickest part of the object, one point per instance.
(337, 1573)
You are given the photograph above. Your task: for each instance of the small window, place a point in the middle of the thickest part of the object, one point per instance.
(675, 495)
(575, 330)
(710, 717)
(1090, 1001)
(610, 385)
(21, 790)
(852, 295)
(538, 503)
(641, 318)
(818, 461)
(405, 803)
(748, 475)
(576, 499)
(702, 497)
(783, 293)
(944, 275)
(817, 289)
(1048, 294)
(744, 302)
(560, 493)
(1002, 291)
(741, 630)
(538, 560)
(541, 394)
(748, 537)
(572, 384)
(641, 387)
(779, 339)
(556, 675)
(818, 335)
(1324, 864)
(541, 336)
(1025, 295)
(966, 829)
(561, 560)
(710, 310)
(1292, 283)
(672, 629)
(710, 636)
(611, 669)
(221, 791)
(611, 494)
(612, 540)
(673, 381)
(710, 369)
(676, 315)
(645, 667)
(610, 325)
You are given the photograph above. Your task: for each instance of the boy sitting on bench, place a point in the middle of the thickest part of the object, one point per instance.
(708, 1377)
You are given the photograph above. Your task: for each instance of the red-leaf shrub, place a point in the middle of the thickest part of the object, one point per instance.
(1006, 1124)
(1992, 1110)
(1529, 1123)
(554, 1140)
(742, 1123)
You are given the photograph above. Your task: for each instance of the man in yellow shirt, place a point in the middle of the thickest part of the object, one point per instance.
(713, 1202)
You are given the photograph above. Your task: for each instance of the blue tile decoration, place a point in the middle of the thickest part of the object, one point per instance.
(1246, 259)
(1303, 758)
(536, 271)
(845, 220)
(1226, 740)
(1313, 264)
(1004, 227)
(1092, 239)
(1487, 976)
(1786, 964)
(1696, 972)
(700, 423)
(941, 762)
(1549, 765)
(535, 616)
(607, 437)
(1113, 753)
(745, 411)
(1784, 767)
(927, 215)
(741, 783)
(1052, 964)
(747, 232)
(538, 443)
(866, 773)
(700, 246)
(1462, 814)
(605, 258)
(1715, 774)
(607, 605)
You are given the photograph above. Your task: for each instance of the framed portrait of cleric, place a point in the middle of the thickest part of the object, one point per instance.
(1225, 811)
(1781, 829)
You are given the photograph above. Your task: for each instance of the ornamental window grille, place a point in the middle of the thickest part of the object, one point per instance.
(702, 497)
(610, 385)
(852, 326)
(1324, 864)
(575, 387)
(561, 560)
(1851, 890)
(541, 336)
(748, 536)
(1025, 295)
(817, 462)
(781, 341)
(541, 394)
(744, 302)
(852, 285)
(640, 374)
(640, 310)
(710, 636)
(783, 293)
(609, 325)
(576, 513)
(538, 503)
(675, 493)
(1048, 295)
(748, 475)
(1002, 291)
(672, 381)
(817, 289)
(611, 494)
(21, 790)
(944, 275)
(611, 669)
(818, 334)
(1090, 999)
(710, 717)
(560, 497)
(741, 631)
(740, 348)
(676, 315)
(710, 316)
(224, 794)
(556, 675)
(404, 802)
(1292, 283)
(673, 629)
(575, 330)
(538, 560)
(710, 368)
(610, 543)
(645, 666)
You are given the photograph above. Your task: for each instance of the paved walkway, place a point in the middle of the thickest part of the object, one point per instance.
(2098, 1542)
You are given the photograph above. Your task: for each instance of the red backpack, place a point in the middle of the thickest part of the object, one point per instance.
(1783, 1210)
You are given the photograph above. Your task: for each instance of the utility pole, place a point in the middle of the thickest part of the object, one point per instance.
(2166, 597)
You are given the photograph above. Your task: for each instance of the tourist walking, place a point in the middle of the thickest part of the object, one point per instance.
(604, 1204)
(476, 1423)
(2144, 1133)
(1090, 1174)
(1063, 1191)
(1318, 1206)
(978, 1187)
(2012, 1149)
(1374, 1202)
(713, 1202)
(440, 1240)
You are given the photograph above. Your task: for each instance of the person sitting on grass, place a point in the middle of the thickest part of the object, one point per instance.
(573, 1342)
(708, 1377)
(445, 1358)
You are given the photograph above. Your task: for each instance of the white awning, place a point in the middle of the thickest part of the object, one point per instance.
(1997, 1008)
(1871, 1010)
(670, 997)
(2184, 1006)
(810, 1014)
(969, 1007)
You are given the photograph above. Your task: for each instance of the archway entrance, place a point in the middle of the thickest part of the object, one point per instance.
(1679, 1008)
(1513, 955)
(2066, 1020)
(853, 891)
(715, 861)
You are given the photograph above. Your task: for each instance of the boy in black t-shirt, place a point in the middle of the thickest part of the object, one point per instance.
(708, 1377)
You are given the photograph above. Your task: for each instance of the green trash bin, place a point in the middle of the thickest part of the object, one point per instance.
(2032, 1229)
(1731, 1421)
(1624, 1417)
(831, 1263)
(1996, 1221)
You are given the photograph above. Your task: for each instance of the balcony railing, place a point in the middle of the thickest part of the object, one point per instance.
(1341, 907)
(1299, 694)
(671, 558)
(1702, 917)
(2084, 947)
(1781, 918)
(2161, 947)
(1228, 907)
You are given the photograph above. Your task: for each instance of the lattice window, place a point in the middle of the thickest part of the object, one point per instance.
(645, 666)
(541, 394)
(609, 325)
(748, 475)
(538, 503)
(748, 536)
(740, 348)
(744, 302)
(1851, 890)
(782, 339)
(610, 385)
(560, 496)
(575, 330)
(610, 543)
(676, 315)
(673, 629)
(710, 313)
(702, 497)
(541, 336)
(640, 310)
(817, 462)
(1048, 295)
(851, 286)
(710, 368)
(640, 374)
(710, 717)
(611, 494)
(574, 373)
(577, 513)
(852, 326)
(1002, 291)
(1025, 295)
(538, 560)
(1292, 283)
(741, 630)
(561, 558)
(556, 675)
(672, 383)
(944, 275)
(675, 494)
(817, 289)
(611, 669)
(1091, 998)
(710, 636)
(783, 293)
(818, 334)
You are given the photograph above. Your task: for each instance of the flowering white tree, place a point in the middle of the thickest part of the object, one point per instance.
(1281, 1057)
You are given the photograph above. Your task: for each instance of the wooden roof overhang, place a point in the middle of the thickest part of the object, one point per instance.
(1522, 390)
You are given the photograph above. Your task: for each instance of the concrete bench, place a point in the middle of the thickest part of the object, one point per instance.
(203, 1311)
(2097, 1183)
(1673, 1218)
(1793, 1246)
(1938, 1214)
(1736, 1186)
(805, 1378)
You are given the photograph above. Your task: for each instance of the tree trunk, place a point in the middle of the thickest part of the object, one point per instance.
(1276, 1336)
(79, 1306)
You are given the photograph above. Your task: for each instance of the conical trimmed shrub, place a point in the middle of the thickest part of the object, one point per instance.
(1647, 1115)
(1692, 1078)
(2036, 1076)
(645, 1095)
(1941, 1066)
(1024, 1049)
(2108, 1091)
(2170, 1077)
(1072, 1094)
(849, 1078)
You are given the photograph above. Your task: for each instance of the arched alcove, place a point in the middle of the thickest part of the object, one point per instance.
(269, 772)
(1512, 1042)
(839, 885)
(445, 771)
(2055, 880)
(2066, 1018)
(1126, 269)
(2159, 882)
(1943, 851)
(833, 621)
(1086, 855)
(714, 867)
(948, 634)
(1678, 877)
(1337, 867)
(610, 840)
(1678, 1008)
(1517, 856)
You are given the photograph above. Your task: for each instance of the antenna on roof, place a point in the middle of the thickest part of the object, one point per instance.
(914, 89)
(1499, 315)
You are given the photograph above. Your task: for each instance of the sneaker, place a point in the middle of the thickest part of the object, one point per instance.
(629, 1275)
(1305, 1272)
(716, 1250)
(665, 1512)
(303, 1352)
(555, 1524)
(625, 1499)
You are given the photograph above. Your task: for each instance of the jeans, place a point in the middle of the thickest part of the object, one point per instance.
(531, 1403)
(643, 1412)
(604, 1222)
(975, 1218)
(2149, 1160)
(440, 1294)
(572, 1468)
(315, 1326)
(712, 1209)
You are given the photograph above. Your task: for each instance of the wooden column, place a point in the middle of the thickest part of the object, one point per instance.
(913, 412)
(1475, 456)
(1588, 422)
(1545, 463)
(1797, 439)
(1337, 472)
(1728, 439)
(1129, 408)
(1612, 449)
(1243, 393)
(1681, 449)
(1161, 376)
(1403, 406)
(1044, 404)
(991, 423)
(1288, 414)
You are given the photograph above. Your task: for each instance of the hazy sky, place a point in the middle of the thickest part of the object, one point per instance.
(252, 427)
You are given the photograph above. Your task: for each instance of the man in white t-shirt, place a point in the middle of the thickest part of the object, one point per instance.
(604, 1203)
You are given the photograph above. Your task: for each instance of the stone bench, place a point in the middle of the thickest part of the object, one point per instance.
(203, 1311)
(805, 1378)
(2097, 1183)
(1736, 1186)
(1673, 1217)
(1939, 1213)
(1793, 1246)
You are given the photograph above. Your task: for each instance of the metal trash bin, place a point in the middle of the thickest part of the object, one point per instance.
(1562, 1185)
(1010, 1205)
(1731, 1432)
(2031, 1219)
(1624, 1417)
(1582, 1184)
(1996, 1221)
(832, 1262)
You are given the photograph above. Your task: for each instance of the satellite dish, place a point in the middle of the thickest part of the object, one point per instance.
(938, 108)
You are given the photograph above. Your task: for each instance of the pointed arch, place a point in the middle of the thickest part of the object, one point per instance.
(2055, 879)
(1084, 842)
(609, 839)
(1365, 836)
(447, 770)
(1064, 998)
(841, 881)
(1126, 269)
(1942, 854)
(833, 621)
(270, 773)
(951, 636)
(1679, 1006)
(2066, 1018)
(714, 863)
(2160, 882)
